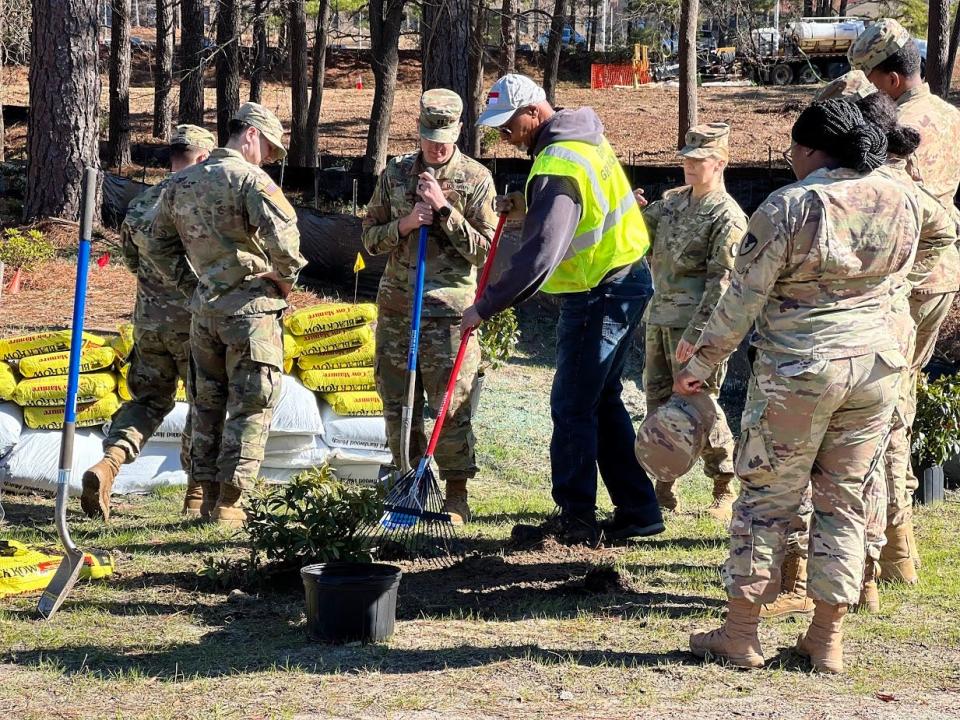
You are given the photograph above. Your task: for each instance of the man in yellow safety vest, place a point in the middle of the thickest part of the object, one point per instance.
(583, 240)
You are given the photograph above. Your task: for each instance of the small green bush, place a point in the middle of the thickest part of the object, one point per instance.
(936, 429)
(498, 338)
(28, 250)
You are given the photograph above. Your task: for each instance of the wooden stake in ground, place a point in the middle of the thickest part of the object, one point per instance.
(689, 12)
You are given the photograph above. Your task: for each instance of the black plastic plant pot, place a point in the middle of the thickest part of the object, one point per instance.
(350, 602)
(930, 488)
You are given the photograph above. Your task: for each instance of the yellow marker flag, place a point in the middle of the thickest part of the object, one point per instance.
(359, 264)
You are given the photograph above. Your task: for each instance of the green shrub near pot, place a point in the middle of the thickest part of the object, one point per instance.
(936, 428)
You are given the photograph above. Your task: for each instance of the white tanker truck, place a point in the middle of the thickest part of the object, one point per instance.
(803, 51)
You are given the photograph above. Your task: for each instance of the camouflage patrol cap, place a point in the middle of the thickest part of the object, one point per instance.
(193, 136)
(256, 115)
(851, 86)
(709, 140)
(670, 439)
(440, 115)
(882, 40)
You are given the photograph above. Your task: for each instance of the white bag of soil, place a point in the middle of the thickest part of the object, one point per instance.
(11, 426)
(356, 433)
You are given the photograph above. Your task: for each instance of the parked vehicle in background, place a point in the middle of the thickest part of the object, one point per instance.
(569, 38)
(805, 51)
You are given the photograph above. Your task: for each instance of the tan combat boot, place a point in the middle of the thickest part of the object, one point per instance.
(869, 596)
(455, 502)
(666, 497)
(211, 493)
(721, 509)
(98, 483)
(897, 557)
(229, 510)
(735, 641)
(792, 599)
(823, 641)
(193, 499)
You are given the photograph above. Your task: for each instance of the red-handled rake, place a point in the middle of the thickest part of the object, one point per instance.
(413, 524)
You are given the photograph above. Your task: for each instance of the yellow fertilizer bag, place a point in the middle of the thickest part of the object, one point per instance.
(338, 341)
(8, 381)
(89, 414)
(91, 360)
(339, 379)
(291, 348)
(123, 390)
(356, 404)
(41, 343)
(123, 344)
(330, 316)
(360, 357)
(52, 391)
(24, 568)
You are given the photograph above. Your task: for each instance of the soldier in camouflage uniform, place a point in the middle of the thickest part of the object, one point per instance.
(695, 231)
(457, 205)
(161, 324)
(230, 221)
(891, 60)
(815, 272)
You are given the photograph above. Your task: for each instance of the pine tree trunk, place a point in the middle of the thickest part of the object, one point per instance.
(3, 58)
(317, 75)
(843, 8)
(298, 84)
(136, 13)
(552, 67)
(594, 6)
(118, 142)
(386, 17)
(191, 63)
(260, 49)
(473, 100)
(63, 133)
(938, 49)
(689, 10)
(163, 71)
(228, 66)
(952, 56)
(508, 37)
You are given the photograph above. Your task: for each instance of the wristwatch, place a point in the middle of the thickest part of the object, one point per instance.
(445, 211)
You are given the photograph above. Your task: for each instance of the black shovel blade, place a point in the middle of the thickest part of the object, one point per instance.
(61, 585)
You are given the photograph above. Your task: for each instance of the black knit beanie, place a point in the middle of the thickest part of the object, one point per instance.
(837, 128)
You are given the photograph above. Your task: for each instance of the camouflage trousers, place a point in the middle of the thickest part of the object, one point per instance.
(236, 366)
(817, 426)
(158, 360)
(928, 312)
(659, 371)
(439, 341)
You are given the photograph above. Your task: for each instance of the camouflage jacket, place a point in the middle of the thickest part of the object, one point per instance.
(160, 304)
(938, 237)
(936, 163)
(232, 223)
(815, 272)
(456, 246)
(694, 248)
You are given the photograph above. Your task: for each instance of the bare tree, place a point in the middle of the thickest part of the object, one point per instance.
(62, 136)
(386, 17)
(689, 11)
(445, 48)
(952, 58)
(191, 62)
(592, 40)
(473, 100)
(552, 66)
(118, 143)
(938, 47)
(318, 72)
(3, 62)
(163, 71)
(259, 49)
(136, 13)
(508, 37)
(228, 66)
(298, 83)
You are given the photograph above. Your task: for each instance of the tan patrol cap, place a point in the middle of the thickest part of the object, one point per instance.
(256, 115)
(851, 86)
(670, 439)
(440, 112)
(193, 136)
(709, 140)
(882, 40)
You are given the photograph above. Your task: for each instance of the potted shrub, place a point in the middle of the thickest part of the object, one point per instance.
(936, 433)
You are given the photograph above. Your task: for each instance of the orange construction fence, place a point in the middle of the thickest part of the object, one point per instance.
(607, 75)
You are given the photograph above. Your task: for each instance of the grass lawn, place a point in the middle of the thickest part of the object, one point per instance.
(507, 635)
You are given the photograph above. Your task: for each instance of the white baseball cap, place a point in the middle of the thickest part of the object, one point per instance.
(509, 94)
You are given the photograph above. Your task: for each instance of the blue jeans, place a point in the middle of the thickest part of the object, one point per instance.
(591, 426)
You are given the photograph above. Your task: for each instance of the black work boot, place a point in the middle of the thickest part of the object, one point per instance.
(563, 526)
(623, 526)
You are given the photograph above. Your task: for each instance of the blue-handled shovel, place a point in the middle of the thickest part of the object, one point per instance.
(69, 568)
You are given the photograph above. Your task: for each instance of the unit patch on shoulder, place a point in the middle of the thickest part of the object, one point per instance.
(748, 244)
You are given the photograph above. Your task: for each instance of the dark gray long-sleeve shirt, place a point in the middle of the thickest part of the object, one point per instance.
(554, 209)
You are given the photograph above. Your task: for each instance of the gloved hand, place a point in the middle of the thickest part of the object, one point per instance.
(514, 205)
